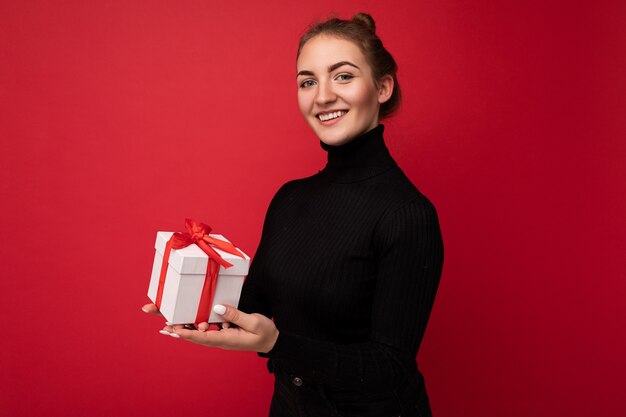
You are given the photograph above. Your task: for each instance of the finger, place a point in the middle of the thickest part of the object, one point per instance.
(245, 321)
(180, 326)
(203, 327)
(169, 331)
(151, 309)
(208, 338)
(225, 339)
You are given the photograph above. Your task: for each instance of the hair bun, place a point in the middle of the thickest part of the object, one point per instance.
(365, 20)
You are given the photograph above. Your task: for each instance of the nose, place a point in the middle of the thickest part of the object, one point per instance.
(325, 93)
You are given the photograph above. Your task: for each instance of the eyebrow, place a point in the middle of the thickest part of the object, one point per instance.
(330, 69)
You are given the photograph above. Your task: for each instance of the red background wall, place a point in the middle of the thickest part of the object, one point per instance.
(121, 118)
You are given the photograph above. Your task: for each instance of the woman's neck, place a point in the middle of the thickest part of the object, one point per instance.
(360, 158)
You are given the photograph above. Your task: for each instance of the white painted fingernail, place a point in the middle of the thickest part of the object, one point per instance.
(164, 332)
(144, 310)
(219, 309)
(174, 335)
(167, 323)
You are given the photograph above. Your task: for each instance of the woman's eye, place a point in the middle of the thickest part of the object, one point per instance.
(306, 83)
(344, 77)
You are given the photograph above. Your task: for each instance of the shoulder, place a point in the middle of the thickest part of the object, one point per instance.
(398, 191)
(411, 228)
(291, 188)
(409, 214)
(413, 210)
(293, 185)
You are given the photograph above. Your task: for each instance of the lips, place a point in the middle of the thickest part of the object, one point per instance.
(332, 115)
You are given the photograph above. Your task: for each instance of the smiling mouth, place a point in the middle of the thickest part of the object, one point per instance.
(324, 117)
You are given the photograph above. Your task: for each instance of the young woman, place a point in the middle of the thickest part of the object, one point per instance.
(350, 258)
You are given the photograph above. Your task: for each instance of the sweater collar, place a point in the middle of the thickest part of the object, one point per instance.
(363, 157)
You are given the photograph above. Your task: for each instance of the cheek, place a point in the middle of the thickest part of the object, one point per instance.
(364, 97)
(302, 102)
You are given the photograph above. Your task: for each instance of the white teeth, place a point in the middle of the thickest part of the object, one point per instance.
(330, 116)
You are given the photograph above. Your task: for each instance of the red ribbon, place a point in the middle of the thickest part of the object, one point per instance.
(198, 233)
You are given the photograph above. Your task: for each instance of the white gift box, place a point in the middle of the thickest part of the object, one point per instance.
(185, 277)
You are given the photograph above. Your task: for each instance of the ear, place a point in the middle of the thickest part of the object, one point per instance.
(385, 88)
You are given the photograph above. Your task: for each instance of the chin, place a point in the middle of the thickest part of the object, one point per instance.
(334, 140)
(334, 137)
(339, 138)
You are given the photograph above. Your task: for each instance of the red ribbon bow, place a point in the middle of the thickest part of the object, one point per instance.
(198, 233)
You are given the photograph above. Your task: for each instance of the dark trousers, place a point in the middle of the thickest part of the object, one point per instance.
(295, 396)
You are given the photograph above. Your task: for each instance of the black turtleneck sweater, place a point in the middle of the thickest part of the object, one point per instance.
(348, 266)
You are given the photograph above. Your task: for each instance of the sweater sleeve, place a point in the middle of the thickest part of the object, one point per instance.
(253, 297)
(410, 257)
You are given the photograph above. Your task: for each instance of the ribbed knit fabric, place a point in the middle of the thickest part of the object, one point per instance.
(348, 266)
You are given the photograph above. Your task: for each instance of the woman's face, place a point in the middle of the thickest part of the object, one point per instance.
(337, 94)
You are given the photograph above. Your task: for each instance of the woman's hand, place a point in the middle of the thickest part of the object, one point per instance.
(255, 332)
(152, 309)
